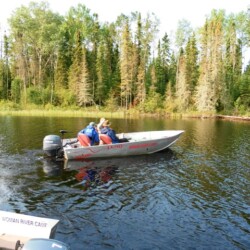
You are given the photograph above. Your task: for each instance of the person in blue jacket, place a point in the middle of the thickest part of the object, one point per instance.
(92, 133)
(111, 133)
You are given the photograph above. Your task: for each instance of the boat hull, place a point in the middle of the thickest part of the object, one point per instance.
(140, 143)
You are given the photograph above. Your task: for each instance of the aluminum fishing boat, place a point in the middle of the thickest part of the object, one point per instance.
(139, 143)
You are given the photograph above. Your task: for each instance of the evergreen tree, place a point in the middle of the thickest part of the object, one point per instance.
(211, 89)
(84, 96)
(16, 90)
(183, 93)
(139, 66)
(5, 75)
(172, 70)
(75, 68)
(2, 84)
(148, 31)
(126, 67)
(233, 61)
(103, 74)
(192, 68)
(166, 54)
(112, 61)
(63, 63)
(160, 83)
(93, 44)
(242, 103)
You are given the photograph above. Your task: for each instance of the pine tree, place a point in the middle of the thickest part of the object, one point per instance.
(63, 63)
(94, 40)
(139, 66)
(5, 75)
(233, 62)
(160, 83)
(211, 89)
(126, 67)
(84, 96)
(103, 74)
(75, 68)
(183, 93)
(192, 69)
(164, 61)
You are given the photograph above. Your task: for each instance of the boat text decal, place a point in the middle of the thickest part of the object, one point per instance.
(93, 152)
(87, 155)
(115, 146)
(145, 145)
(28, 222)
(82, 156)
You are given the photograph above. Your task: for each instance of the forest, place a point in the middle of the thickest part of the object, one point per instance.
(76, 62)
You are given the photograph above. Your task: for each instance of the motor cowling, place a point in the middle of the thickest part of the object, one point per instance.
(48, 244)
(52, 145)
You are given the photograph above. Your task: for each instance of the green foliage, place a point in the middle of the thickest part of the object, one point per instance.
(242, 104)
(5, 80)
(154, 102)
(1, 79)
(170, 106)
(34, 96)
(34, 31)
(182, 33)
(38, 97)
(64, 98)
(111, 103)
(16, 90)
(8, 105)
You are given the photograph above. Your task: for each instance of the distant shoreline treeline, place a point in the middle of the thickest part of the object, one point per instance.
(74, 61)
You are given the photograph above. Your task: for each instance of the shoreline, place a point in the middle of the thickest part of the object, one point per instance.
(117, 114)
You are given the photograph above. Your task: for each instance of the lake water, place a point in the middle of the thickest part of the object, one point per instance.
(195, 195)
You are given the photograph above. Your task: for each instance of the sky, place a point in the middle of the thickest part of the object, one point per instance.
(169, 12)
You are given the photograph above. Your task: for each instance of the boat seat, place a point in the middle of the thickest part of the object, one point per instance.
(84, 140)
(105, 139)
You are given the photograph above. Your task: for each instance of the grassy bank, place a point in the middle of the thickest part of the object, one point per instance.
(63, 113)
(10, 109)
(116, 114)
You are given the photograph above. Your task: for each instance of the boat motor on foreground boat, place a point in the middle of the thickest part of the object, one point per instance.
(139, 143)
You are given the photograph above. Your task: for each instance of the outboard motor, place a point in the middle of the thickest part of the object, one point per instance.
(42, 244)
(52, 145)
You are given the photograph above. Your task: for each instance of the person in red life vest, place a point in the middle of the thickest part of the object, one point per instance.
(92, 133)
(111, 133)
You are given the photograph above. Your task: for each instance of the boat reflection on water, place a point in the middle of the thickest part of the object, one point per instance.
(82, 174)
(90, 176)
(93, 173)
(52, 167)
